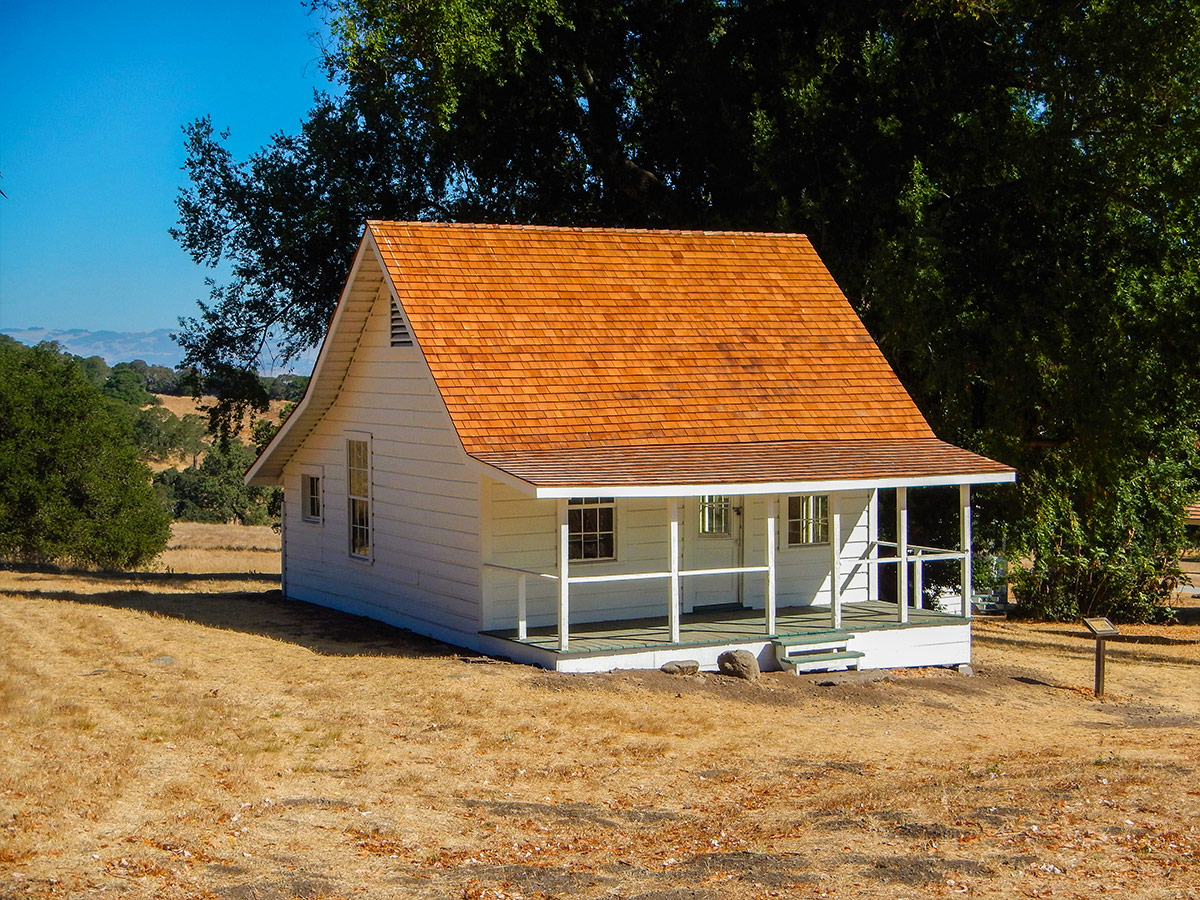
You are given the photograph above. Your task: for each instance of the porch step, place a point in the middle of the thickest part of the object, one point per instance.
(814, 637)
(816, 652)
(822, 662)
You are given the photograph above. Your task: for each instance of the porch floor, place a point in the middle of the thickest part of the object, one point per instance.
(725, 626)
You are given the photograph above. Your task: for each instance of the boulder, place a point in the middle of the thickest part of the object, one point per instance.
(681, 667)
(739, 664)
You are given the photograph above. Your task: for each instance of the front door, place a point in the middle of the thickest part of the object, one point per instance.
(712, 539)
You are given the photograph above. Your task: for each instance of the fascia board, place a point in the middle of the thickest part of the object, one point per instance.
(772, 487)
(252, 476)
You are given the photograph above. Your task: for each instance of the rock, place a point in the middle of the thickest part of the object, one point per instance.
(739, 664)
(681, 667)
(163, 660)
(965, 669)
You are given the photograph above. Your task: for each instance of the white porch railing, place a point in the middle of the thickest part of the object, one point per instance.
(915, 555)
(523, 575)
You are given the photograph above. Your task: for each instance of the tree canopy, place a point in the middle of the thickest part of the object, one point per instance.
(71, 487)
(1005, 189)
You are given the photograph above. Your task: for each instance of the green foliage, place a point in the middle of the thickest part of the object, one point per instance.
(95, 369)
(1005, 192)
(160, 434)
(285, 387)
(214, 491)
(127, 385)
(71, 487)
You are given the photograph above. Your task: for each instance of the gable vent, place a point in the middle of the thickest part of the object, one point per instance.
(401, 335)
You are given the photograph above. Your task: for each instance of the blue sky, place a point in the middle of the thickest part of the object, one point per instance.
(94, 96)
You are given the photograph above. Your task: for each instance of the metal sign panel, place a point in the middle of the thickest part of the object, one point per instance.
(1101, 627)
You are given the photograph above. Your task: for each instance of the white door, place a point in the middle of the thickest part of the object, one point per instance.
(712, 539)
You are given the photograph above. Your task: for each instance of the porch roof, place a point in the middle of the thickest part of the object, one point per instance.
(758, 467)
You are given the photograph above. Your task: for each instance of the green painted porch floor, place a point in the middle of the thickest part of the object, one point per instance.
(727, 626)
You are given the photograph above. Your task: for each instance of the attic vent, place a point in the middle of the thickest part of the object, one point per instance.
(401, 336)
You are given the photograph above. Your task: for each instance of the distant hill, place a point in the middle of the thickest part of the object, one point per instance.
(155, 347)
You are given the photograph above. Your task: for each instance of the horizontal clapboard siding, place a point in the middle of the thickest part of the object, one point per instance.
(425, 511)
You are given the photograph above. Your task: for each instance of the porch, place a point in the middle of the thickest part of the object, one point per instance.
(925, 637)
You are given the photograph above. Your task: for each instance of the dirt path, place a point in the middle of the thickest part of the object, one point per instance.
(169, 742)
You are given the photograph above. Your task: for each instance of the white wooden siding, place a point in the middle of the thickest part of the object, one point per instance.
(521, 534)
(425, 497)
(802, 577)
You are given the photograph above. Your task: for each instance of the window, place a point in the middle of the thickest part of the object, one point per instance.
(714, 515)
(591, 528)
(310, 496)
(808, 520)
(358, 491)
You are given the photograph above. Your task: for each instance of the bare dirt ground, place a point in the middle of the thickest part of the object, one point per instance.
(187, 733)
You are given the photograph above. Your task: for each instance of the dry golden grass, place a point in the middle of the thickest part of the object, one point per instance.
(182, 406)
(185, 735)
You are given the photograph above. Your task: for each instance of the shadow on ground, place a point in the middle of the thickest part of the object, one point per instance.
(268, 614)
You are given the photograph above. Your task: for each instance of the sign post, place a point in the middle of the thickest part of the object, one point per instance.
(1101, 629)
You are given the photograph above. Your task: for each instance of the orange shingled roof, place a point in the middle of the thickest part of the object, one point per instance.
(573, 338)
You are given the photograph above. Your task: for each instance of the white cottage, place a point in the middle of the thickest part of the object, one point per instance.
(591, 448)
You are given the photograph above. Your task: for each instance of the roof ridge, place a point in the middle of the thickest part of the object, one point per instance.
(583, 229)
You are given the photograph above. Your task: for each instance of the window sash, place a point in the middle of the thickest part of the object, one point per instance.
(715, 518)
(358, 491)
(310, 500)
(591, 528)
(808, 520)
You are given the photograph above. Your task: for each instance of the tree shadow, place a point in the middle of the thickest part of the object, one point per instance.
(1159, 639)
(328, 632)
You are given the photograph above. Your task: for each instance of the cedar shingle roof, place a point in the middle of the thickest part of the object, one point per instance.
(575, 338)
(594, 356)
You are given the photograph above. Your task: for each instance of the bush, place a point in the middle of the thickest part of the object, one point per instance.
(72, 489)
(214, 491)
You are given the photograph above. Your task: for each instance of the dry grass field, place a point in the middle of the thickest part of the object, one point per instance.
(186, 733)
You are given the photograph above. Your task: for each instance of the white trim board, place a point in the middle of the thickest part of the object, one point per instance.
(771, 487)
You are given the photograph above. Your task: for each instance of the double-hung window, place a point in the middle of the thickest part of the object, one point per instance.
(358, 494)
(808, 520)
(591, 528)
(311, 502)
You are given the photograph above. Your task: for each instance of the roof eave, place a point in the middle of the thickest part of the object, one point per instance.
(268, 468)
(566, 490)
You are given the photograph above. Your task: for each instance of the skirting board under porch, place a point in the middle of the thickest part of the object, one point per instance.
(885, 648)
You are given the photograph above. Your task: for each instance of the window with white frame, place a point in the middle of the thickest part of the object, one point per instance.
(358, 495)
(715, 515)
(312, 507)
(591, 528)
(808, 520)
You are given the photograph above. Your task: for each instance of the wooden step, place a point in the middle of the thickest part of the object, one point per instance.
(816, 637)
(811, 662)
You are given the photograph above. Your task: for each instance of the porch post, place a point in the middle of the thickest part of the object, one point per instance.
(522, 608)
(673, 612)
(873, 543)
(964, 503)
(564, 546)
(835, 562)
(771, 529)
(918, 582)
(902, 554)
